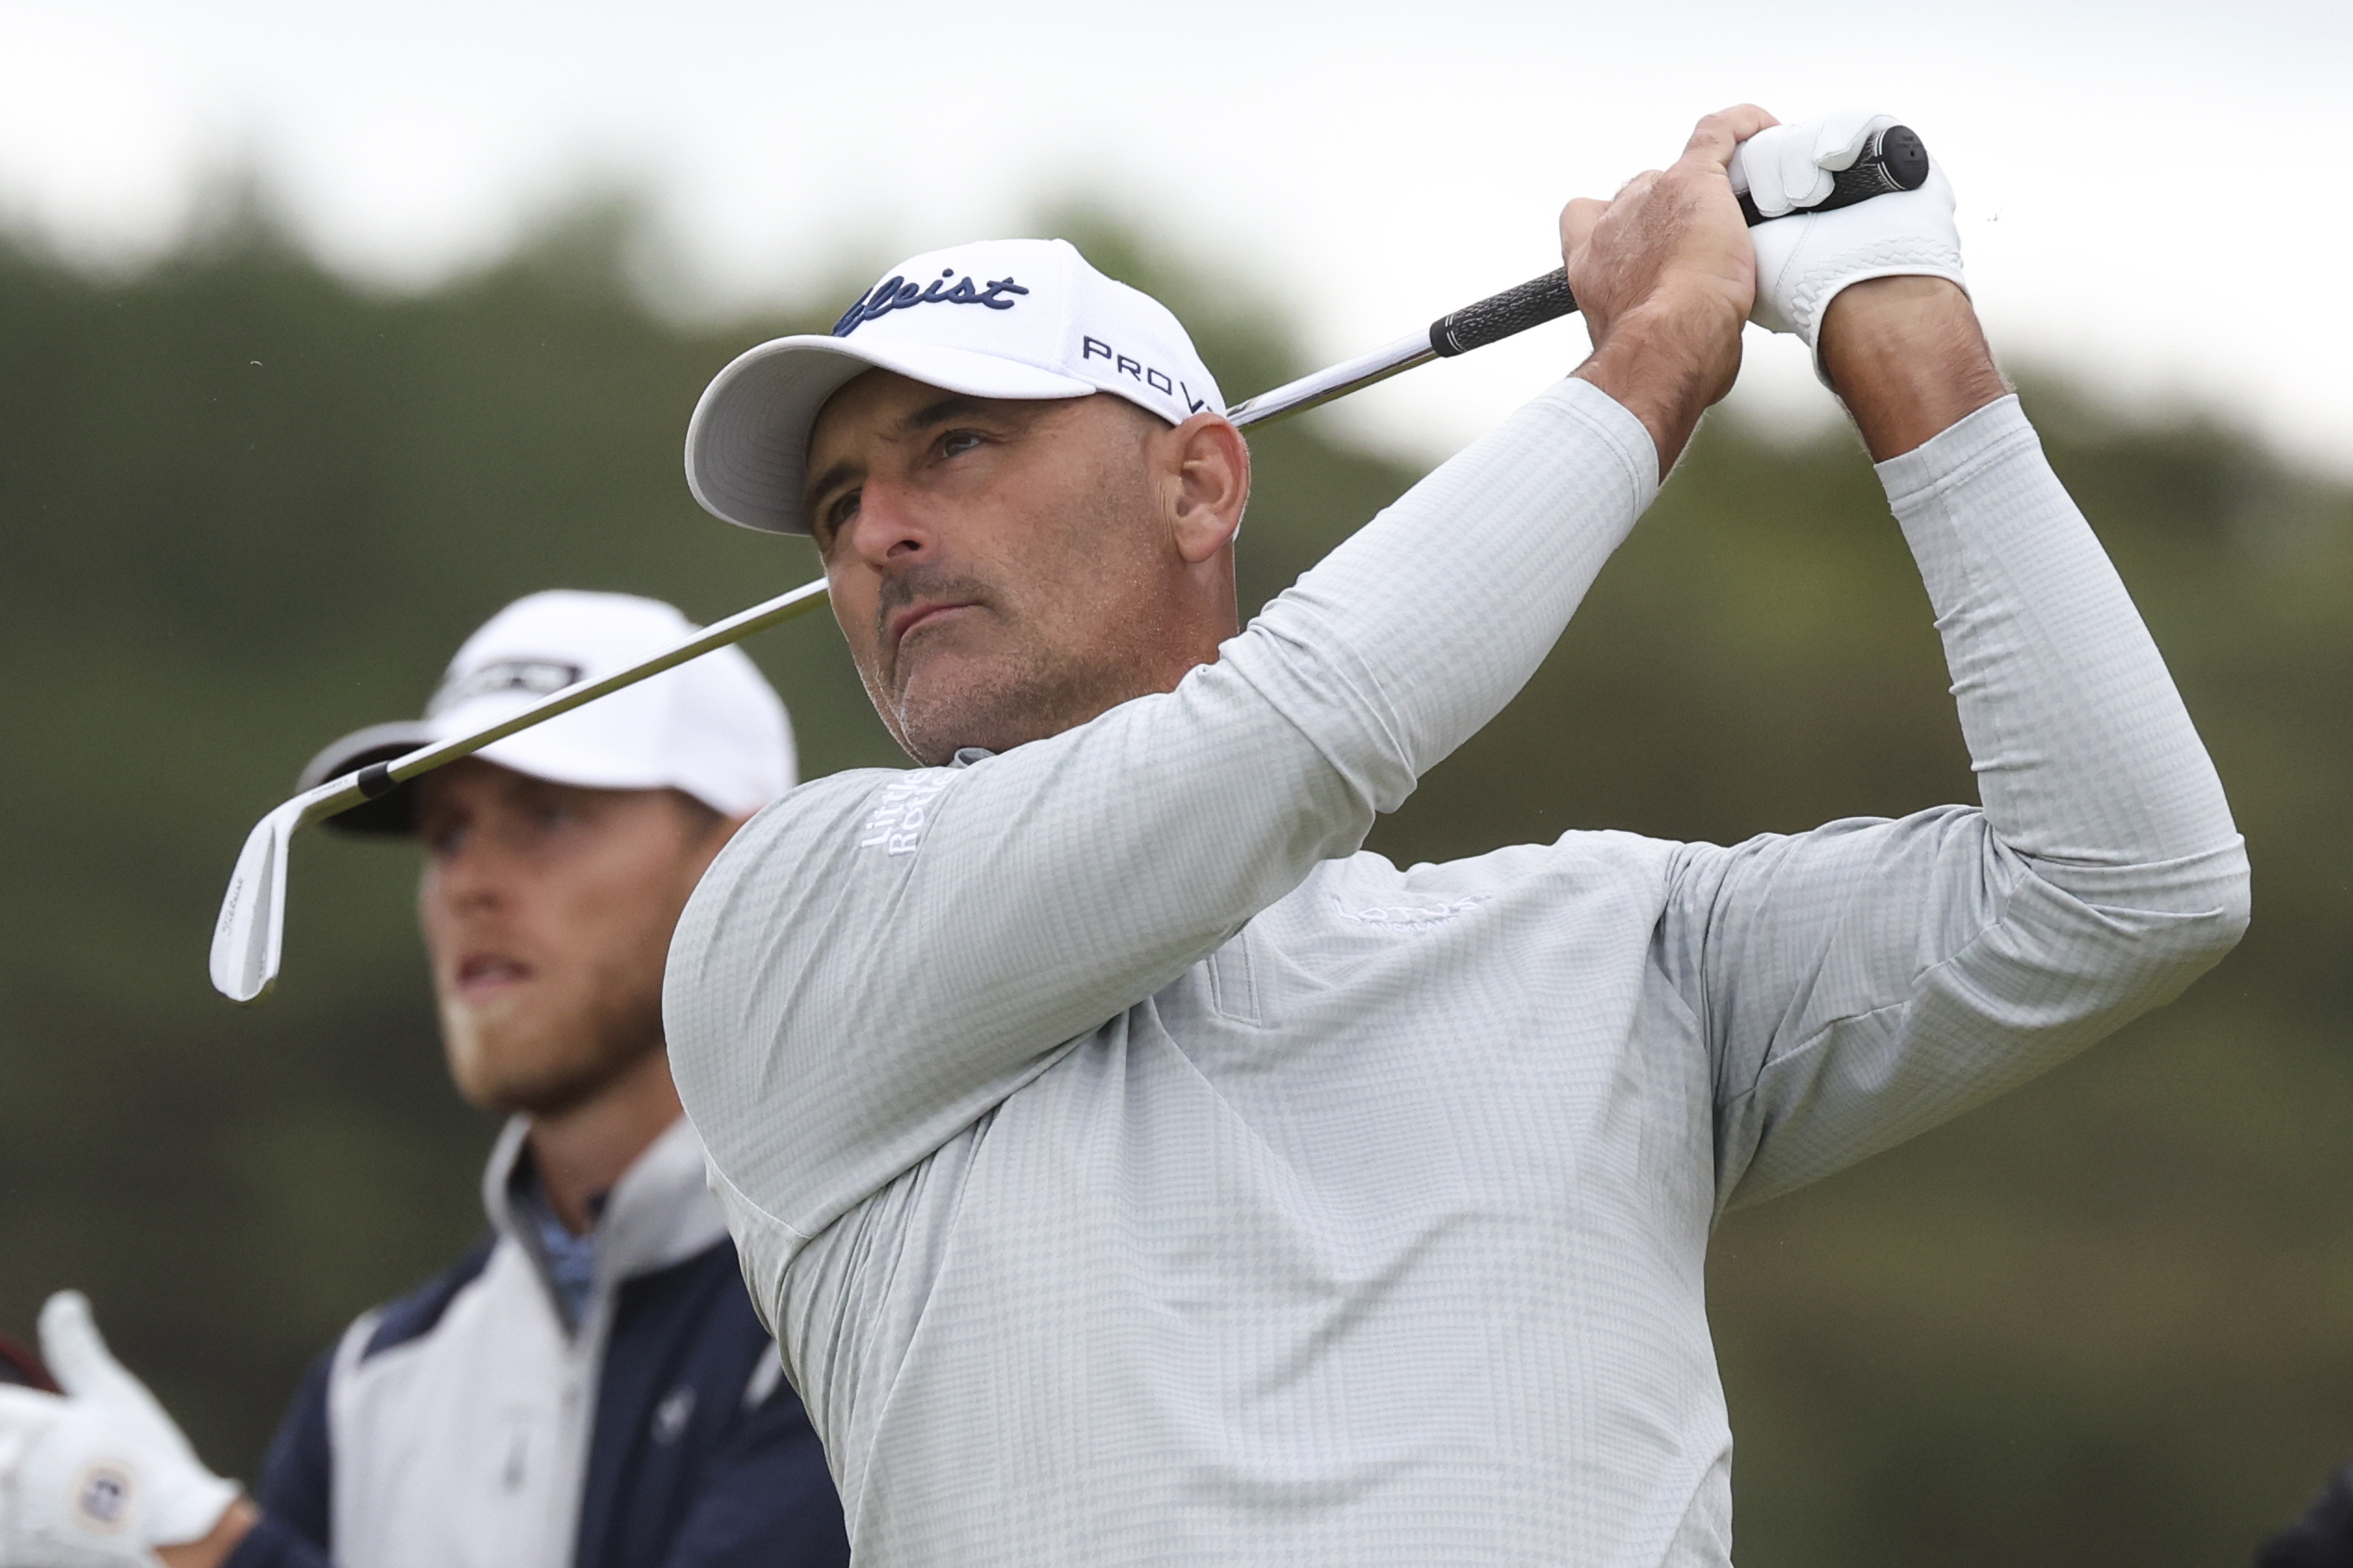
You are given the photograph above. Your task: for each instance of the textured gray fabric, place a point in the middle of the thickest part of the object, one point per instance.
(1137, 1172)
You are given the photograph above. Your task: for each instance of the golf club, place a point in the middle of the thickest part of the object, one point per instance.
(251, 930)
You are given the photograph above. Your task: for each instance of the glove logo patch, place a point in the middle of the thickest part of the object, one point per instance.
(102, 1498)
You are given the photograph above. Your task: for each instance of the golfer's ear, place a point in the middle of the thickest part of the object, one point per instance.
(1212, 485)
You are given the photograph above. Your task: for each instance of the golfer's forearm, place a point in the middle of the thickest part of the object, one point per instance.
(2085, 758)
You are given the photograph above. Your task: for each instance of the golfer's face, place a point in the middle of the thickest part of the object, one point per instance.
(994, 564)
(547, 912)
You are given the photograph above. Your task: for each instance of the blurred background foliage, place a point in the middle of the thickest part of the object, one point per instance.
(246, 505)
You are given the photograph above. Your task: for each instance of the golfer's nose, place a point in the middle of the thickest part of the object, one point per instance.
(471, 873)
(891, 529)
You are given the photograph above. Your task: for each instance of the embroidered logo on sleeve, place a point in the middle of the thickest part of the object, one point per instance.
(904, 811)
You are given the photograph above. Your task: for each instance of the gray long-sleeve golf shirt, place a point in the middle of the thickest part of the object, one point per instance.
(1135, 1172)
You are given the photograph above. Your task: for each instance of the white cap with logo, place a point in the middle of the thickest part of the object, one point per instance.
(712, 727)
(1017, 319)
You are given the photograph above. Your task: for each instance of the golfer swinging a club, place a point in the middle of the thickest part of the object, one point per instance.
(1134, 1170)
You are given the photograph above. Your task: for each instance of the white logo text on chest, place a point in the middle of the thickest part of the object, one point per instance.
(896, 825)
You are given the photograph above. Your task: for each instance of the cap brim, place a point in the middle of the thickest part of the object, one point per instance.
(748, 446)
(546, 751)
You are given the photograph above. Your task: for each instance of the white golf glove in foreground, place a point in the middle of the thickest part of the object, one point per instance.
(1803, 261)
(99, 1477)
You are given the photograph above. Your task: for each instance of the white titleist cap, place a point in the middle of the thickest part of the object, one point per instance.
(1025, 318)
(712, 727)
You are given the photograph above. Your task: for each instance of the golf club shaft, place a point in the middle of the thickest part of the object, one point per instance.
(1475, 325)
(1894, 160)
(247, 938)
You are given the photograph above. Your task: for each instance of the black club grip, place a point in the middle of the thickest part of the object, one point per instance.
(1500, 315)
(1896, 159)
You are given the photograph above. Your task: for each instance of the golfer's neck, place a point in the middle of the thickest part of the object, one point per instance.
(581, 1152)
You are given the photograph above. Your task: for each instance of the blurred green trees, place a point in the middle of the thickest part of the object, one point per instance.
(245, 506)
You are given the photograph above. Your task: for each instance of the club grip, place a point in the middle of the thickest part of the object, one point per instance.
(1896, 159)
(1499, 315)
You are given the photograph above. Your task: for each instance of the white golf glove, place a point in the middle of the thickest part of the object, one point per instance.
(99, 1477)
(1803, 259)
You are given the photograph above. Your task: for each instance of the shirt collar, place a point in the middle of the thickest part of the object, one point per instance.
(657, 1214)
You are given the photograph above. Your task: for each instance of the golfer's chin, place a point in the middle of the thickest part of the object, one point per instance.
(948, 701)
(505, 1060)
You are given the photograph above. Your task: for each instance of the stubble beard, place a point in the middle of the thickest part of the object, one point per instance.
(1022, 690)
(995, 705)
(545, 1066)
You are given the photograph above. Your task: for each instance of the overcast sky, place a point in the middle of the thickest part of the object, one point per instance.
(2151, 193)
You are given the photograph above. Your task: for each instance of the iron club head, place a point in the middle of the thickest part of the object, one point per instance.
(253, 920)
(251, 927)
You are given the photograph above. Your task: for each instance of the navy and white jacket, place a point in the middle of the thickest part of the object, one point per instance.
(468, 1425)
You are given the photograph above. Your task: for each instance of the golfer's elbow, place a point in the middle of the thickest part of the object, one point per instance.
(2229, 921)
(2215, 930)
(2161, 925)
(2183, 944)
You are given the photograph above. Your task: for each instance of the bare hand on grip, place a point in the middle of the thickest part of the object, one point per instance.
(1665, 276)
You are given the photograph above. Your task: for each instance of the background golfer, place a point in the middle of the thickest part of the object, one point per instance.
(586, 1385)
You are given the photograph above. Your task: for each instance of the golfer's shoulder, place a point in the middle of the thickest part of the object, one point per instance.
(797, 846)
(833, 817)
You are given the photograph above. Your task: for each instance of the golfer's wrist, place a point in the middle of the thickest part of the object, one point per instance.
(235, 1522)
(1908, 359)
(1665, 363)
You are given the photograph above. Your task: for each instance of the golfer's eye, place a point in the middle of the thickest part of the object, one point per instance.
(956, 443)
(839, 515)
